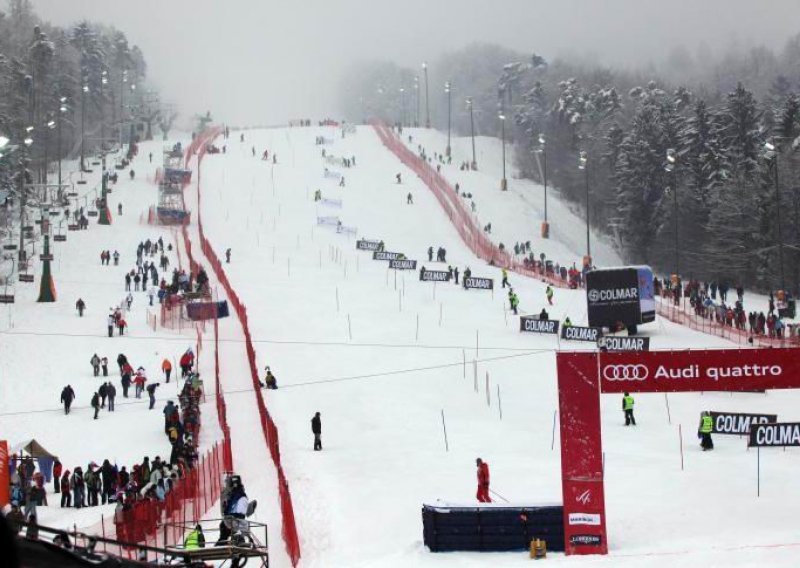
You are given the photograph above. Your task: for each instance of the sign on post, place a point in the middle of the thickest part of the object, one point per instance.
(578, 333)
(738, 423)
(535, 325)
(775, 435)
(479, 283)
(434, 276)
(624, 343)
(386, 255)
(363, 244)
(403, 264)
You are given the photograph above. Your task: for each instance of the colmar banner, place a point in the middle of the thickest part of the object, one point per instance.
(738, 423)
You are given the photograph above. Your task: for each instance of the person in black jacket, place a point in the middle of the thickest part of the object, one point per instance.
(107, 475)
(96, 404)
(67, 396)
(316, 428)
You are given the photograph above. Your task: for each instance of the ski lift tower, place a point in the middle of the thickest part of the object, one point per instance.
(171, 209)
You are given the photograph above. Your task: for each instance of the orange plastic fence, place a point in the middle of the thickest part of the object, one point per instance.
(268, 427)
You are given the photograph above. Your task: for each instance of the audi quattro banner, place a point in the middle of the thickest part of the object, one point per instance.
(535, 325)
(620, 295)
(434, 276)
(403, 264)
(624, 343)
(737, 423)
(578, 333)
(385, 255)
(479, 283)
(775, 435)
(711, 370)
(363, 244)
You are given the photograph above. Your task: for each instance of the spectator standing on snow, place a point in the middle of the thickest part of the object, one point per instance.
(121, 325)
(127, 374)
(96, 404)
(627, 408)
(103, 392)
(111, 323)
(67, 396)
(80, 305)
(151, 393)
(409, 199)
(139, 380)
(228, 256)
(483, 481)
(111, 391)
(316, 429)
(66, 495)
(58, 468)
(95, 362)
(186, 362)
(166, 367)
(104, 365)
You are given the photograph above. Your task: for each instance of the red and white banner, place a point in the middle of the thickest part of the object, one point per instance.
(581, 455)
(709, 370)
(582, 376)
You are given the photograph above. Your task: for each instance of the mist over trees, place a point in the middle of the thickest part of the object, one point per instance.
(732, 124)
(53, 79)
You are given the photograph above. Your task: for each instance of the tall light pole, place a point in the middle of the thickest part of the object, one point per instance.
(583, 164)
(449, 116)
(23, 195)
(416, 92)
(542, 149)
(504, 181)
(427, 105)
(672, 160)
(62, 109)
(474, 164)
(402, 106)
(50, 125)
(771, 154)
(103, 83)
(84, 91)
(123, 80)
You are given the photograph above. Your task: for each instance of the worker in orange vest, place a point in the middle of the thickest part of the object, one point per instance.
(166, 366)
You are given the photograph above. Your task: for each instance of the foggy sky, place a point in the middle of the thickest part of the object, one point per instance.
(265, 61)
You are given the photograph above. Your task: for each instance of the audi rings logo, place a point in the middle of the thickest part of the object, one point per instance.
(625, 372)
(594, 295)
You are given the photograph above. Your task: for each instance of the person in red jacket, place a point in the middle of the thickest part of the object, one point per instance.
(186, 362)
(483, 481)
(57, 469)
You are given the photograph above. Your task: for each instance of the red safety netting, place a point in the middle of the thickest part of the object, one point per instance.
(268, 427)
(464, 221)
(158, 523)
(712, 322)
(478, 242)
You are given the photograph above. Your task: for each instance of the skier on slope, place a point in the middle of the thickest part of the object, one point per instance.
(505, 283)
(483, 481)
(549, 293)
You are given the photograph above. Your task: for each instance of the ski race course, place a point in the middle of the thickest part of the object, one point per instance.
(389, 361)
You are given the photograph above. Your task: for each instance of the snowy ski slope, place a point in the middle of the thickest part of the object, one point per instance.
(340, 331)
